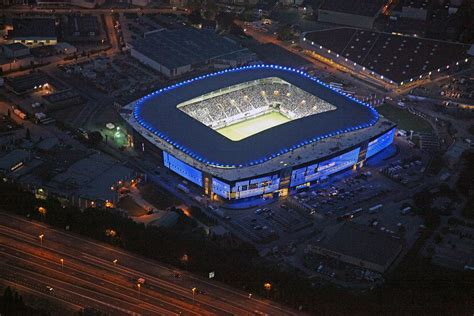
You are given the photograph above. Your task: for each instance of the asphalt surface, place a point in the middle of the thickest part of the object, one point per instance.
(88, 277)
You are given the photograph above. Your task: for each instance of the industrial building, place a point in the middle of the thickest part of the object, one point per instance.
(33, 32)
(174, 53)
(386, 59)
(356, 13)
(361, 246)
(80, 27)
(15, 50)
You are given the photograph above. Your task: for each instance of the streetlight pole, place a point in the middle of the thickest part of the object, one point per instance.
(41, 239)
(194, 292)
(62, 264)
(139, 286)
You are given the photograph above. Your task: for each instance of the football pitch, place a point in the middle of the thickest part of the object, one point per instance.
(244, 129)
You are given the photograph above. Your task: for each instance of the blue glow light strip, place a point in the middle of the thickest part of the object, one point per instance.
(143, 123)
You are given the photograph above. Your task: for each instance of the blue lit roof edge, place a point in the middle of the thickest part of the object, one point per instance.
(144, 124)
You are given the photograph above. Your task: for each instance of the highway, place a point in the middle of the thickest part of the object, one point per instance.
(87, 276)
(26, 9)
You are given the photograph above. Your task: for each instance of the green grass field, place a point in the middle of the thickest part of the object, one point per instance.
(241, 130)
(404, 119)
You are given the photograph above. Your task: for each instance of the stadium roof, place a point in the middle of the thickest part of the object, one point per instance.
(158, 113)
(185, 46)
(356, 7)
(396, 57)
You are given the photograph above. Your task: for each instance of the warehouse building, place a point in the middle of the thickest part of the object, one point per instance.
(33, 32)
(356, 13)
(385, 59)
(176, 52)
(360, 246)
(15, 50)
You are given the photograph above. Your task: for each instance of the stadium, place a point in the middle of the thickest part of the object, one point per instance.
(256, 132)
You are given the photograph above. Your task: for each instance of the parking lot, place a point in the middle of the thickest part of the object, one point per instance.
(374, 196)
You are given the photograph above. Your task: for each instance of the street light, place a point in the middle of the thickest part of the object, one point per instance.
(268, 287)
(194, 292)
(139, 286)
(42, 211)
(62, 263)
(41, 239)
(115, 262)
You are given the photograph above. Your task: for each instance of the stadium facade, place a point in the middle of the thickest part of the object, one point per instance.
(318, 131)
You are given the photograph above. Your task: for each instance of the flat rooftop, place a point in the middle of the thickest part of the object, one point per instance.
(91, 177)
(364, 243)
(292, 143)
(397, 57)
(23, 83)
(12, 158)
(355, 7)
(15, 47)
(273, 54)
(33, 28)
(185, 46)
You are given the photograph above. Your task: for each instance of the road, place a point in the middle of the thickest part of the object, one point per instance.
(69, 10)
(89, 277)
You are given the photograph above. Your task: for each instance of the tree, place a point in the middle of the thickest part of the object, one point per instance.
(12, 303)
(247, 15)
(195, 17)
(194, 5)
(284, 32)
(422, 201)
(95, 137)
(28, 134)
(210, 10)
(225, 20)
(236, 30)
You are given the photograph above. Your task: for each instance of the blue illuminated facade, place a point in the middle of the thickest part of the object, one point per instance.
(380, 143)
(221, 188)
(271, 185)
(322, 170)
(183, 169)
